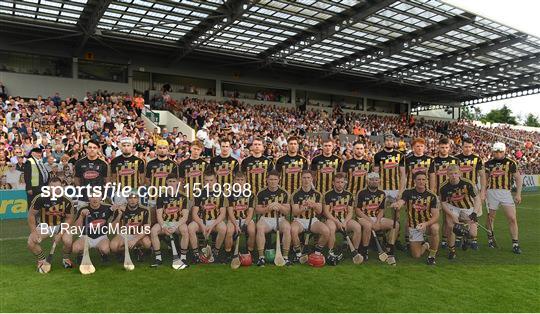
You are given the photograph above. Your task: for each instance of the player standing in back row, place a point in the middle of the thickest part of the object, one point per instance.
(127, 169)
(224, 165)
(256, 166)
(326, 165)
(472, 167)
(438, 175)
(500, 172)
(290, 166)
(357, 169)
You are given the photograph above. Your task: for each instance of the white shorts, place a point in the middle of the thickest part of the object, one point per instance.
(373, 219)
(391, 195)
(496, 197)
(46, 230)
(272, 223)
(416, 235)
(171, 224)
(460, 212)
(305, 222)
(92, 243)
(152, 204)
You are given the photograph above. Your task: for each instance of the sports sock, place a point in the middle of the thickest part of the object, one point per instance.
(515, 242)
(444, 238)
(457, 239)
(451, 248)
(297, 249)
(261, 253)
(286, 253)
(183, 253)
(364, 249)
(66, 256)
(391, 249)
(157, 253)
(432, 253)
(474, 239)
(40, 256)
(406, 239)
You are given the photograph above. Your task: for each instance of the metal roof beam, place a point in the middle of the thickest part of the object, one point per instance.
(88, 21)
(224, 16)
(322, 31)
(490, 69)
(398, 44)
(453, 57)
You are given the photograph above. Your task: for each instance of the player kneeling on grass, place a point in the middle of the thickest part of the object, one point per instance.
(273, 205)
(369, 210)
(240, 207)
(172, 214)
(50, 214)
(461, 203)
(208, 213)
(423, 217)
(94, 218)
(306, 206)
(338, 209)
(137, 220)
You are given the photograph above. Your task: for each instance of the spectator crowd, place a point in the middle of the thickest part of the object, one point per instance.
(61, 127)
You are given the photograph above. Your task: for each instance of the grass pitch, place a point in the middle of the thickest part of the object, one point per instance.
(488, 280)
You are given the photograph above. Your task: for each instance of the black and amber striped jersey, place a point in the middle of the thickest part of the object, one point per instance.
(135, 217)
(52, 212)
(470, 166)
(209, 205)
(439, 166)
(290, 168)
(266, 197)
(388, 163)
(157, 171)
(500, 173)
(191, 171)
(240, 205)
(356, 170)
(371, 202)
(172, 206)
(128, 170)
(418, 206)
(91, 172)
(256, 170)
(225, 168)
(339, 203)
(98, 220)
(326, 168)
(460, 195)
(300, 196)
(414, 164)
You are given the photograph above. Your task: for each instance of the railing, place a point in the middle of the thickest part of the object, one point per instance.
(497, 135)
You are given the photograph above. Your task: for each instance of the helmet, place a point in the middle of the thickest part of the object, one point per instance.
(246, 259)
(332, 260)
(460, 230)
(270, 255)
(316, 260)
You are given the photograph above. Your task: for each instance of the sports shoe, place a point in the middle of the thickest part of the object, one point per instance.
(295, 259)
(491, 244)
(261, 262)
(458, 243)
(451, 254)
(391, 260)
(67, 263)
(156, 263)
(516, 249)
(444, 245)
(184, 261)
(474, 245)
(365, 256)
(431, 260)
(287, 262)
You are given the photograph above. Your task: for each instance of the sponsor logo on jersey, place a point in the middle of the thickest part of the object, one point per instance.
(55, 213)
(194, 173)
(98, 222)
(293, 169)
(359, 173)
(340, 207)
(161, 174)
(466, 168)
(209, 206)
(126, 172)
(327, 169)
(372, 207)
(91, 174)
(498, 173)
(419, 169)
(457, 197)
(419, 207)
(241, 207)
(222, 172)
(442, 172)
(390, 165)
(172, 210)
(257, 170)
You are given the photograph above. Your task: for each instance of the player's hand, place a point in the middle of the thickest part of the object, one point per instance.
(85, 212)
(483, 195)
(517, 199)
(421, 226)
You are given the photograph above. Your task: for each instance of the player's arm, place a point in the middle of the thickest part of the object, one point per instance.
(230, 213)
(350, 213)
(316, 206)
(285, 208)
(141, 172)
(402, 180)
(249, 216)
(195, 216)
(114, 174)
(447, 211)
(296, 210)
(148, 176)
(159, 216)
(185, 216)
(80, 218)
(221, 216)
(433, 181)
(376, 162)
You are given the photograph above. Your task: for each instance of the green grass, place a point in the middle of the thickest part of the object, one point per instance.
(489, 280)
